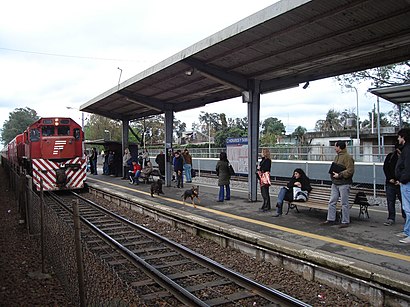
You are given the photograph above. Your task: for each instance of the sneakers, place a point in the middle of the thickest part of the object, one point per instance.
(277, 214)
(405, 240)
(401, 234)
(388, 223)
(344, 225)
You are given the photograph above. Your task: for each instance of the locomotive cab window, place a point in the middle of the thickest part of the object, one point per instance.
(34, 135)
(47, 130)
(63, 130)
(77, 133)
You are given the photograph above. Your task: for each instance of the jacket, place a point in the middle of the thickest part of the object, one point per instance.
(402, 170)
(305, 182)
(187, 158)
(265, 165)
(389, 166)
(222, 170)
(343, 158)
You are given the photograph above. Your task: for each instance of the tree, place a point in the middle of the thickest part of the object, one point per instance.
(271, 129)
(331, 123)
(394, 74)
(299, 134)
(97, 126)
(18, 121)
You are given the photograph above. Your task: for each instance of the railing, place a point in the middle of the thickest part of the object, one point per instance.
(363, 153)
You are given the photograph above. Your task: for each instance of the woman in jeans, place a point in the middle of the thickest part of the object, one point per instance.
(300, 180)
(224, 177)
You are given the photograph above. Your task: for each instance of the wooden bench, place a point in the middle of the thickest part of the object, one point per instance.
(319, 199)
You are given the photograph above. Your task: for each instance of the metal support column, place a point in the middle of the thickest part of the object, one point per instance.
(253, 136)
(125, 137)
(169, 120)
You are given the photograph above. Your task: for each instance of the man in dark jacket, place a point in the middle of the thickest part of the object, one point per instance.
(341, 182)
(403, 176)
(392, 185)
(179, 168)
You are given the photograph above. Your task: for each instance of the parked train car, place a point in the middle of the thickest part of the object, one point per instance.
(51, 150)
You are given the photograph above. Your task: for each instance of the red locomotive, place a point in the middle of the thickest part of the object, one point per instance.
(50, 149)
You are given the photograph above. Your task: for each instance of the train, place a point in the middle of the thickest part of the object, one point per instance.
(51, 151)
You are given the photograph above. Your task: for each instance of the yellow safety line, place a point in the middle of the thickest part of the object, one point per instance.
(278, 227)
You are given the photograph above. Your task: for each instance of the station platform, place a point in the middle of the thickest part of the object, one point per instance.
(365, 248)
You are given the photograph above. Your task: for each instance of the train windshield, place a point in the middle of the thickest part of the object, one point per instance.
(47, 130)
(34, 135)
(63, 130)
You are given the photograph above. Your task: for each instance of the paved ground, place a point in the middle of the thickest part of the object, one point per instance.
(366, 244)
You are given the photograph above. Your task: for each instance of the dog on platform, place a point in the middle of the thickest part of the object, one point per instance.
(192, 193)
(156, 187)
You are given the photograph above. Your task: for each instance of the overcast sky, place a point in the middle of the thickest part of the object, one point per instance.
(56, 54)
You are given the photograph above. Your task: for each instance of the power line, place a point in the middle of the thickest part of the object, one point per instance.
(68, 56)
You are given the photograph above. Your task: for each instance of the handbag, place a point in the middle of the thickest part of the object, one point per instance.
(231, 170)
(264, 178)
(299, 194)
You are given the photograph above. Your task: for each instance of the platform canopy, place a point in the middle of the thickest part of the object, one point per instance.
(397, 94)
(283, 45)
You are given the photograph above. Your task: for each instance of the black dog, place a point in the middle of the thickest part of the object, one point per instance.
(192, 193)
(156, 187)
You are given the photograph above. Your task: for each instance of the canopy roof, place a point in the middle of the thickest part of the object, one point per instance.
(287, 43)
(397, 94)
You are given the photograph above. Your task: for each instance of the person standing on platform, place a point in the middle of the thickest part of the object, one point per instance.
(93, 161)
(392, 185)
(178, 163)
(187, 165)
(224, 177)
(126, 163)
(342, 179)
(264, 167)
(403, 176)
(160, 160)
(145, 157)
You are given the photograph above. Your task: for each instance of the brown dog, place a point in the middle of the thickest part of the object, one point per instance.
(192, 193)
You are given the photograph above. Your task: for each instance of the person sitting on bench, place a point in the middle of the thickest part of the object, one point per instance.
(298, 180)
(146, 171)
(134, 173)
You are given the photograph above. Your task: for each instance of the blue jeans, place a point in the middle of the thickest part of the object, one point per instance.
(341, 191)
(281, 197)
(187, 170)
(405, 196)
(221, 192)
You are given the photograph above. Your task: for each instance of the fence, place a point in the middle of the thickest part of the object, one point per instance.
(363, 153)
(56, 238)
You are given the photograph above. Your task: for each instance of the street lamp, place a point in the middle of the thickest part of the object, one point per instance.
(357, 113)
(109, 132)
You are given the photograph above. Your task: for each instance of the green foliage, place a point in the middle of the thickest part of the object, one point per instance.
(299, 134)
(271, 129)
(100, 127)
(18, 121)
(222, 135)
(272, 125)
(395, 74)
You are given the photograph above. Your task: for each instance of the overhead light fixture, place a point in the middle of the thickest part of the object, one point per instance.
(190, 72)
(306, 85)
(247, 96)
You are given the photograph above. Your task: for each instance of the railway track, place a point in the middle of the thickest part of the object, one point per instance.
(161, 271)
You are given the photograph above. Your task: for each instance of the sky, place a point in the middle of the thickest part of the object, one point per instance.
(56, 56)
